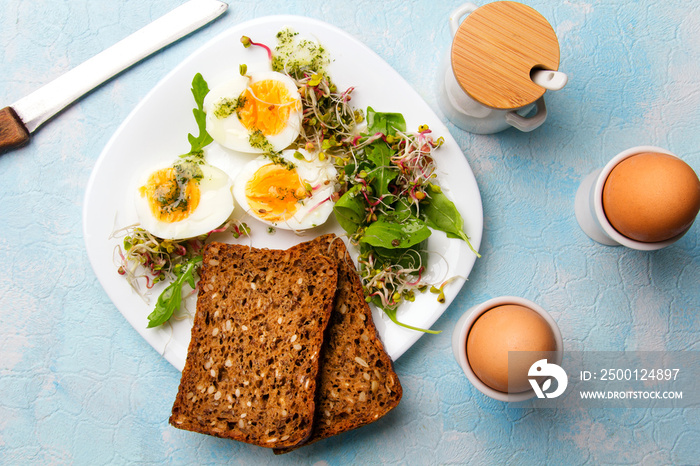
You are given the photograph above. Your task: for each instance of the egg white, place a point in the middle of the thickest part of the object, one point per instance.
(312, 211)
(230, 132)
(215, 206)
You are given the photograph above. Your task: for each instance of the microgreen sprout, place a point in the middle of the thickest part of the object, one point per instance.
(247, 42)
(143, 257)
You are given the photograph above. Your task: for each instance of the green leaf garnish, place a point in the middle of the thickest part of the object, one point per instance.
(386, 123)
(379, 153)
(199, 90)
(316, 79)
(441, 214)
(350, 209)
(169, 300)
(391, 313)
(388, 233)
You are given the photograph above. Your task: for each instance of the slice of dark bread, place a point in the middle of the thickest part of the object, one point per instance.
(358, 383)
(252, 364)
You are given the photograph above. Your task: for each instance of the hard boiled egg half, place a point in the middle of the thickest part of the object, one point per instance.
(293, 192)
(257, 113)
(184, 200)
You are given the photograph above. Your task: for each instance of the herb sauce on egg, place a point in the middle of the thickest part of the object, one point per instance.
(173, 193)
(294, 194)
(256, 113)
(184, 200)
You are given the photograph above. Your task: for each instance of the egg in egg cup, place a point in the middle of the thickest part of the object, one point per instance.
(651, 205)
(502, 350)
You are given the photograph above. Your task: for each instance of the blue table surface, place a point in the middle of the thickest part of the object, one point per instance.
(78, 383)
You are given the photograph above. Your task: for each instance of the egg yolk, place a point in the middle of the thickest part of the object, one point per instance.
(274, 192)
(171, 198)
(267, 108)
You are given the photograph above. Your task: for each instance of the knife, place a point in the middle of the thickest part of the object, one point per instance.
(24, 116)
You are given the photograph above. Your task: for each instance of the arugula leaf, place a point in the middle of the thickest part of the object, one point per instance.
(381, 179)
(388, 233)
(200, 89)
(349, 169)
(440, 213)
(386, 123)
(169, 300)
(379, 153)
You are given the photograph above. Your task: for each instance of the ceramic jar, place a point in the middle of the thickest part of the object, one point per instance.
(495, 75)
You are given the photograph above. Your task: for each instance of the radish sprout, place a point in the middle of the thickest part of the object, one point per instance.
(145, 257)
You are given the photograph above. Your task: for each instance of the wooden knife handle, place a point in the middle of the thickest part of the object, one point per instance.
(13, 133)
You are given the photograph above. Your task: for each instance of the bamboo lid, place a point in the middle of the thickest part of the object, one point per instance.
(495, 49)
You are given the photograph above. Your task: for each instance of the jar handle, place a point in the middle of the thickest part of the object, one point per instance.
(526, 124)
(457, 15)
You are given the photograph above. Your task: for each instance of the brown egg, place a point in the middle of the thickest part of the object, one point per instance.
(509, 327)
(651, 197)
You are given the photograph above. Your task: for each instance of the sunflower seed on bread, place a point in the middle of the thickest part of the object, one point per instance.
(358, 383)
(253, 359)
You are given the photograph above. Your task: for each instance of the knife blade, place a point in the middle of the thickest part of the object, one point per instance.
(23, 117)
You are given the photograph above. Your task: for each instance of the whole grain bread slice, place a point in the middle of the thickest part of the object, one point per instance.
(253, 359)
(358, 382)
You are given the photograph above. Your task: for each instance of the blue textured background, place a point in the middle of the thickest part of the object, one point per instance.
(79, 385)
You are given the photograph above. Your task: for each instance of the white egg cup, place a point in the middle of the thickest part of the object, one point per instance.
(590, 215)
(464, 325)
